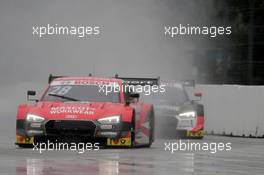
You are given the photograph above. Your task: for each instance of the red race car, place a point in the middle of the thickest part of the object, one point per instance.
(87, 109)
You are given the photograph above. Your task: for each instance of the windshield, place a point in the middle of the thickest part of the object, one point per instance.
(173, 96)
(89, 93)
(168, 102)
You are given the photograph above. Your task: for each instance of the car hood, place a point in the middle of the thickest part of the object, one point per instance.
(76, 110)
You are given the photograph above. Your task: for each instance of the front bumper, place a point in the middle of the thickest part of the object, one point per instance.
(192, 128)
(92, 131)
(171, 126)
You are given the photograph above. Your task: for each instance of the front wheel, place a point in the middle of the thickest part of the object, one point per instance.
(151, 129)
(133, 126)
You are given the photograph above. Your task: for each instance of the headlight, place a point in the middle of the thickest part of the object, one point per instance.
(110, 120)
(187, 115)
(34, 118)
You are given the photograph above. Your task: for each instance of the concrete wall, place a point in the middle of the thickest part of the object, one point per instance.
(233, 109)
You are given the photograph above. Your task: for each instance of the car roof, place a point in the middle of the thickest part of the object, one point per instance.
(90, 78)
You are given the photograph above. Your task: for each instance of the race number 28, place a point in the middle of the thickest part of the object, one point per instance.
(60, 90)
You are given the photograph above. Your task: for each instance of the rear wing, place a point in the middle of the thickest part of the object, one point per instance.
(139, 81)
(52, 77)
(175, 83)
(188, 83)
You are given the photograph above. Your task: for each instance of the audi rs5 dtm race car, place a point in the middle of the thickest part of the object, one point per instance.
(73, 108)
(175, 113)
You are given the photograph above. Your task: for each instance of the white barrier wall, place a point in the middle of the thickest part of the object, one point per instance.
(233, 109)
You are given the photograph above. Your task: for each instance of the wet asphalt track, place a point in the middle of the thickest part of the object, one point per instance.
(246, 157)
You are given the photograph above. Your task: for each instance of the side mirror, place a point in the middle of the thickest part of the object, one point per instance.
(31, 93)
(134, 95)
(198, 95)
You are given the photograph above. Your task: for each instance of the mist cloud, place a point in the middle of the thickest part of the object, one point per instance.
(131, 41)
